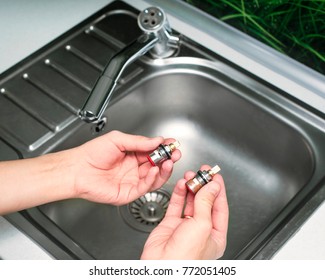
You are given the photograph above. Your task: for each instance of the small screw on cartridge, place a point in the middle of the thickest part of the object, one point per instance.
(201, 178)
(162, 153)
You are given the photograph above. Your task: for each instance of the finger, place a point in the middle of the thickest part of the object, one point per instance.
(129, 142)
(205, 167)
(165, 172)
(144, 169)
(189, 175)
(146, 184)
(169, 141)
(220, 211)
(189, 207)
(204, 201)
(176, 155)
(177, 200)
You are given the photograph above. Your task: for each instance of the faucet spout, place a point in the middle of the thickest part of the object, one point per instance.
(156, 38)
(103, 89)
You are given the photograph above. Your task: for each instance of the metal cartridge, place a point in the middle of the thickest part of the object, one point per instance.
(201, 178)
(162, 153)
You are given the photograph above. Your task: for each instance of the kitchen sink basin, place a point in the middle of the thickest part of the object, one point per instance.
(271, 149)
(265, 160)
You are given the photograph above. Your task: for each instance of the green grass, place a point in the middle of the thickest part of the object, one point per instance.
(293, 27)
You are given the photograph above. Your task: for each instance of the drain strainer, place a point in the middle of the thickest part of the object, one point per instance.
(147, 211)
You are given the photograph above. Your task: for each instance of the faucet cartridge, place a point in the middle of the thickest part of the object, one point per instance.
(201, 178)
(162, 153)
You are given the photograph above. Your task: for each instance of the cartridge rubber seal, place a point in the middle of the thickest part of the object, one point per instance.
(201, 174)
(167, 152)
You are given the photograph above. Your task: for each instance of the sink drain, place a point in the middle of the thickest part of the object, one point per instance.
(147, 211)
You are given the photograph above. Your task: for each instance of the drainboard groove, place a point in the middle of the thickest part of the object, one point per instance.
(103, 37)
(82, 56)
(67, 74)
(49, 92)
(27, 109)
(13, 139)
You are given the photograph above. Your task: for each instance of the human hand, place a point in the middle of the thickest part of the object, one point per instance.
(201, 233)
(114, 169)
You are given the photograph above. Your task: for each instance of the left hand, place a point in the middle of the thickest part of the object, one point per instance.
(114, 169)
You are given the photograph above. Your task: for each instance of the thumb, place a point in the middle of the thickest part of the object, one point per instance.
(204, 200)
(129, 142)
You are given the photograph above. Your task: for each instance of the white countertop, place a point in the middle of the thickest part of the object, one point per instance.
(308, 243)
(26, 26)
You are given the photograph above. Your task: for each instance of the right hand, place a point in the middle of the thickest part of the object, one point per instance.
(201, 233)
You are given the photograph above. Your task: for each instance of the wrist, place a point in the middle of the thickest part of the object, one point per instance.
(60, 170)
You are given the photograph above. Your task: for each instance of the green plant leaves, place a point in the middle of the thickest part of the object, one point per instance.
(293, 27)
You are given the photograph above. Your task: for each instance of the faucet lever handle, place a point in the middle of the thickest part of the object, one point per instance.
(154, 20)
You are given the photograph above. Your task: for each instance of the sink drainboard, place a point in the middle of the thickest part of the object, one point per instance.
(271, 151)
(147, 211)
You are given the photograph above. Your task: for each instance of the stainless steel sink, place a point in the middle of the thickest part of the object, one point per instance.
(270, 149)
(266, 161)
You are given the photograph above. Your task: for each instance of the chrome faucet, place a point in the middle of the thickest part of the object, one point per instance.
(156, 38)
